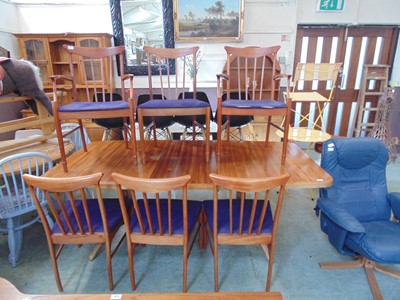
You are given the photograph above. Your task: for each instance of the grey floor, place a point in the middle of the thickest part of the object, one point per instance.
(300, 247)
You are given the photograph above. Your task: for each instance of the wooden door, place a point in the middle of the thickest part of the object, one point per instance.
(353, 47)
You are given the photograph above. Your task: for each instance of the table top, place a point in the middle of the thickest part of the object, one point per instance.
(303, 134)
(9, 291)
(175, 158)
(308, 97)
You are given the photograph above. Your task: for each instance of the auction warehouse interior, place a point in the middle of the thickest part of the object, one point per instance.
(176, 149)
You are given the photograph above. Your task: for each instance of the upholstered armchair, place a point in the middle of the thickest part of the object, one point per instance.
(356, 211)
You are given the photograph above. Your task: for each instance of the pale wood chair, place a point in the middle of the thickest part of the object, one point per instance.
(240, 221)
(78, 220)
(157, 220)
(95, 67)
(171, 84)
(251, 71)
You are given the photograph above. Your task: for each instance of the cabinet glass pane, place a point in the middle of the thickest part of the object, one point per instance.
(35, 53)
(89, 43)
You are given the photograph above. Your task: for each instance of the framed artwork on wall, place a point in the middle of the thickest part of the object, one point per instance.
(208, 20)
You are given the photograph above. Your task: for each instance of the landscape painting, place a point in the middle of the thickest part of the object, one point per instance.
(208, 20)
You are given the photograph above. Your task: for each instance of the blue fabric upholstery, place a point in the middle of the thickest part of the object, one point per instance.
(223, 216)
(113, 211)
(93, 106)
(356, 209)
(188, 120)
(175, 103)
(193, 208)
(267, 104)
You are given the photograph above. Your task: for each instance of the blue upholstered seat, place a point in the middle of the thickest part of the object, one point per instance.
(93, 106)
(356, 210)
(175, 103)
(266, 104)
(194, 208)
(223, 216)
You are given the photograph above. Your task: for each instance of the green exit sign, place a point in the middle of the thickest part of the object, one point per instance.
(330, 5)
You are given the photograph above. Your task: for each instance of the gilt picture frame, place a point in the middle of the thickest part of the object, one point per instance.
(208, 20)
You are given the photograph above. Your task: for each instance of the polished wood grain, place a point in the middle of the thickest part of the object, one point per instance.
(10, 292)
(178, 158)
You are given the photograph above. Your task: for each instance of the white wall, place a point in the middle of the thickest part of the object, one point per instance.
(266, 22)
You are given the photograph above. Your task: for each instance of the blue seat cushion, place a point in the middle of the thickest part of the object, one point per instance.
(113, 211)
(93, 106)
(250, 104)
(175, 103)
(380, 243)
(223, 216)
(193, 207)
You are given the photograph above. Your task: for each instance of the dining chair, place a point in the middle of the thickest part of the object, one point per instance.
(15, 201)
(78, 220)
(156, 218)
(95, 64)
(240, 221)
(171, 85)
(251, 71)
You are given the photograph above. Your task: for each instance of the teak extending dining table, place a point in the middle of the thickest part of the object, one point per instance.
(175, 157)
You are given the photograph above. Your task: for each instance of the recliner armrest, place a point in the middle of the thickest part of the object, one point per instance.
(339, 215)
(394, 200)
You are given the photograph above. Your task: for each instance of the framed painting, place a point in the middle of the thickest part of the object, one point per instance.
(208, 20)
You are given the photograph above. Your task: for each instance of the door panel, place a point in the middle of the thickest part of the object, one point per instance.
(353, 47)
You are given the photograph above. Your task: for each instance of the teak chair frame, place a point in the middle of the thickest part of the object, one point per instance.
(243, 186)
(54, 190)
(164, 236)
(96, 59)
(254, 86)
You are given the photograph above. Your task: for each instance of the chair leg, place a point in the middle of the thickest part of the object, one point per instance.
(57, 125)
(14, 240)
(215, 265)
(53, 258)
(373, 284)
(270, 266)
(109, 266)
(131, 249)
(185, 262)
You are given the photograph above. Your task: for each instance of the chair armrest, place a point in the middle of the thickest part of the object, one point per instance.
(55, 78)
(394, 201)
(219, 88)
(130, 78)
(339, 215)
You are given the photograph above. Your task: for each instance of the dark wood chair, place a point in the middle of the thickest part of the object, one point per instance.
(251, 71)
(95, 67)
(171, 85)
(240, 221)
(78, 220)
(156, 220)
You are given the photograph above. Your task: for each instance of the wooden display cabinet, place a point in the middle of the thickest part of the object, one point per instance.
(46, 52)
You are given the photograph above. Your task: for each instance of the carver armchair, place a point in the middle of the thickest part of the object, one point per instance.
(356, 211)
(251, 71)
(96, 101)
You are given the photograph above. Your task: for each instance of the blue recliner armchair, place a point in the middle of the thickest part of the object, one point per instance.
(355, 212)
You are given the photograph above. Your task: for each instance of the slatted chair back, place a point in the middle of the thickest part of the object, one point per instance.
(157, 219)
(78, 219)
(240, 221)
(173, 83)
(251, 72)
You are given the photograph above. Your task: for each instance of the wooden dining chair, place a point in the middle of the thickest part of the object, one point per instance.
(94, 65)
(240, 221)
(157, 220)
(78, 219)
(251, 71)
(171, 85)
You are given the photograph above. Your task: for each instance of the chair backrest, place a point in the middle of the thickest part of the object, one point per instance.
(152, 192)
(68, 203)
(313, 76)
(358, 168)
(251, 72)
(249, 222)
(96, 71)
(15, 198)
(171, 85)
